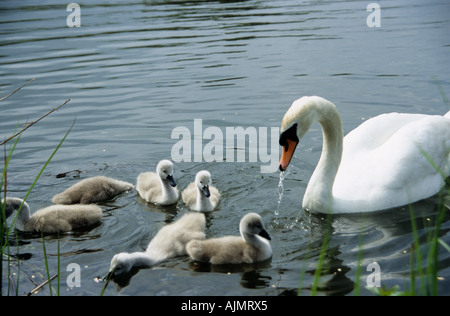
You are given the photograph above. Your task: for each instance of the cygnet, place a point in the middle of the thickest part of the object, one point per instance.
(201, 195)
(92, 190)
(169, 242)
(160, 187)
(252, 246)
(63, 218)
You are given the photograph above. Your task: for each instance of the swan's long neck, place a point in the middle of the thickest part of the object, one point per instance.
(23, 216)
(203, 203)
(255, 240)
(142, 260)
(168, 192)
(319, 192)
(259, 243)
(251, 238)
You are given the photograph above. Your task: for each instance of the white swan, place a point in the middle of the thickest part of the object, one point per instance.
(252, 246)
(169, 242)
(54, 218)
(383, 163)
(160, 187)
(200, 195)
(92, 190)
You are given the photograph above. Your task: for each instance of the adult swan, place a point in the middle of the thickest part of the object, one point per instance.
(388, 161)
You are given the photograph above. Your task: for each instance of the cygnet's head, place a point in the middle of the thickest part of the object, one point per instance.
(120, 264)
(12, 204)
(165, 171)
(251, 224)
(203, 181)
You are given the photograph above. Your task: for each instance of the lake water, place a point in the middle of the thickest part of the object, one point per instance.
(137, 70)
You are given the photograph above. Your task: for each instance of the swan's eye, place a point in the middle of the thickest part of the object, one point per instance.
(254, 226)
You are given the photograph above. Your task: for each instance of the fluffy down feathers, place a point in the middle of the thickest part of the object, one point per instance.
(92, 190)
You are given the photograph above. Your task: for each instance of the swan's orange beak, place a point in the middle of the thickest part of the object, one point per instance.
(287, 153)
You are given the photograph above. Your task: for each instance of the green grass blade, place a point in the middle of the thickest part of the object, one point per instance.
(322, 255)
(39, 174)
(4, 243)
(46, 264)
(415, 252)
(3, 226)
(444, 244)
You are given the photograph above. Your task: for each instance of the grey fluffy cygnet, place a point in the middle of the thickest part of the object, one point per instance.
(252, 246)
(200, 195)
(169, 242)
(160, 187)
(92, 190)
(63, 218)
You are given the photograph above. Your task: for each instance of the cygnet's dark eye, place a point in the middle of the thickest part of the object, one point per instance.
(254, 226)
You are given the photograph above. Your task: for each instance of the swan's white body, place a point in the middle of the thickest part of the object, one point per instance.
(169, 242)
(92, 190)
(200, 195)
(54, 218)
(158, 188)
(383, 163)
(252, 246)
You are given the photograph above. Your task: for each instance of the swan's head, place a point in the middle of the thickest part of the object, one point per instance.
(297, 121)
(203, 181)
(165, 171)
(251, 224)
(11, 204)
(120, 264)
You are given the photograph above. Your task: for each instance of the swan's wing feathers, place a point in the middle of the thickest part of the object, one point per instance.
(92, 190)
(405, 165)
(171, 239)
(215, 195)
(376, 131)
(224, 250)
(149, 186)
(189, 195)
(64, 218)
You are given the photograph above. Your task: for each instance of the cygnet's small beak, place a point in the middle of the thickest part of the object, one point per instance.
(111, 272)
(109, 275)
(106, 279)
(171, 180)
(264, 234)
(206, 192)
